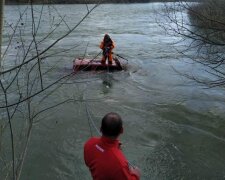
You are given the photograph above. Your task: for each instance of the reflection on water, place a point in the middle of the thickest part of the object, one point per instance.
(107, 83)
(174, 129)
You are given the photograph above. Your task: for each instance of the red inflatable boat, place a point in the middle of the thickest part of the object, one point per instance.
(81, 64)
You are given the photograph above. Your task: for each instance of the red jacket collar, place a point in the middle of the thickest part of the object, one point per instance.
(110, 142)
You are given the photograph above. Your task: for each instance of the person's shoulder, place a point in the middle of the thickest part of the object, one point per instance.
(120, 157)
(91, 140)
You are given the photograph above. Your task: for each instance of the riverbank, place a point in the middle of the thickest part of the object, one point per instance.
(82, 2)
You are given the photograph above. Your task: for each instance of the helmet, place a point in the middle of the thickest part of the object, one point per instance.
(107, 38)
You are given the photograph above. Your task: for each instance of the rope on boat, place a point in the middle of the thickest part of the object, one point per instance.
(90, 120)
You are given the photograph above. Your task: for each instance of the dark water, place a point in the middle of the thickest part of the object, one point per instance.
(174, 128)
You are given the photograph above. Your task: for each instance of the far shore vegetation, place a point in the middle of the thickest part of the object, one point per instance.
(209, 15)
(83, 2)
(201, 32)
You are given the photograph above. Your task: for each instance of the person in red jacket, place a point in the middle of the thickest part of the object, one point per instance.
(103, 154)
(107, 45)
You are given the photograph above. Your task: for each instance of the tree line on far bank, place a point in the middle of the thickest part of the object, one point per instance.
(82, 1)
(201, 27)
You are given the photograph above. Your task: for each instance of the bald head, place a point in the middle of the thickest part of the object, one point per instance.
(112, 125)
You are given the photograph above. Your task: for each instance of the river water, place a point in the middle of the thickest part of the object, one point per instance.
(174, 127)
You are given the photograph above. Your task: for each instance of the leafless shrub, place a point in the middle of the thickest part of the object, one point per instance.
(24, 81)
(209, 16)
(201, 28)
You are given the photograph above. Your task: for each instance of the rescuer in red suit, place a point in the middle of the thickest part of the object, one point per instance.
(103, 155)
(107, 45)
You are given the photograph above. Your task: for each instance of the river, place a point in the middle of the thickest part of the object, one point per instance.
(173, 126)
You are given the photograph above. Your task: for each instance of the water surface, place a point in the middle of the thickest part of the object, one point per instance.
(174, 127)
